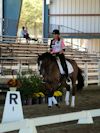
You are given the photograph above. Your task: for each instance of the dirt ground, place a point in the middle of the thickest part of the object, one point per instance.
(89, 98)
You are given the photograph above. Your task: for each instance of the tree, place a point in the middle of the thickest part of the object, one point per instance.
(31, 15)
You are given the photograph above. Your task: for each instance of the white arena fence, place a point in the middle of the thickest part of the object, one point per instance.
(91, 71)
(29, 125)
(92, 76)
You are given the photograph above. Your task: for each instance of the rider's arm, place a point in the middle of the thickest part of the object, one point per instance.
(51, 50)
(51, 46)
(62, 46)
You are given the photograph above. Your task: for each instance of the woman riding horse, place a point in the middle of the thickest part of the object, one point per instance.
(57, 47)
(49, 69)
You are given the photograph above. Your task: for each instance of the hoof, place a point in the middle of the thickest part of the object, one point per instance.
(67, 103)
(49, 107)
(73, 106)
(58, 105)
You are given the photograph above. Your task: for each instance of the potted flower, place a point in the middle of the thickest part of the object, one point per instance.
(13, 84)
(29, 85)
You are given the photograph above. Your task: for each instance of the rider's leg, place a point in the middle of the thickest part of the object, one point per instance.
(63, 63)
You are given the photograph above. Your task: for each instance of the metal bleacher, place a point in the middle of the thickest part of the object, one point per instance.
(21, 55)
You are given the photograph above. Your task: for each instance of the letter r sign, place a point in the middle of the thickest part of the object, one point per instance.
(13, 98)
(12, 106)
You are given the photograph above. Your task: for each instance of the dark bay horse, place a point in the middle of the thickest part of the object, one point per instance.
(52, 77)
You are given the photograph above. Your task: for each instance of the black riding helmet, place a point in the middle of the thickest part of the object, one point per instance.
(56, 31)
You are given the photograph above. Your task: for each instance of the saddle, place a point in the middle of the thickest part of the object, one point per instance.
(69, 66)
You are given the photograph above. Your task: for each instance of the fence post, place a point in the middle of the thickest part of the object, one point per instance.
(86, 74)
(29, 127)
(0, 71)
(19, 68)
(0, 62)
(99, 73)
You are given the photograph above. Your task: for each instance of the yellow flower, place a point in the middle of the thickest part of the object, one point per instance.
(39, 94)
(57, 93)
(36, 95)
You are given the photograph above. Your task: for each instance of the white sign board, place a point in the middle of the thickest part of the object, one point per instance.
(1, 16)
(13, 107)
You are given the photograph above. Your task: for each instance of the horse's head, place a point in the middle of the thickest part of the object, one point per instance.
(40, 61)
(44, 62)
(49, 70)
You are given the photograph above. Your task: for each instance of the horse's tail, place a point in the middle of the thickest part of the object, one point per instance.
(80, 79)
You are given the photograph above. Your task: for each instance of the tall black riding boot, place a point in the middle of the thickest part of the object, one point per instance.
(64, 65)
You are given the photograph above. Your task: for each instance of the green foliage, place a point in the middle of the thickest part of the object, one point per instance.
(29, 85)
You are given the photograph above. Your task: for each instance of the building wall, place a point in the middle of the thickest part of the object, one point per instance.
(1, 15)
(76, 15)
(11, 16)
(93, 45)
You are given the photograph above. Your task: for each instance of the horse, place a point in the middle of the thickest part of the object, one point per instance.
(49, 69)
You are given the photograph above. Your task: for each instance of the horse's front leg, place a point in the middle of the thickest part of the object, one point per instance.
(68, 88)
(51, 99)
(67, 95)
(73, 96)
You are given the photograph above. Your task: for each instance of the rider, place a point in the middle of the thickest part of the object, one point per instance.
(57, 47)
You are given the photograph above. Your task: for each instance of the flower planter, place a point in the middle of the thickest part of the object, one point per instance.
(13, 88)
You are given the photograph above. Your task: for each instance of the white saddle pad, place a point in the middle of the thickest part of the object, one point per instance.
(69, 66)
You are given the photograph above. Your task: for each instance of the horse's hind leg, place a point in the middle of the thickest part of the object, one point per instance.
(73, 95)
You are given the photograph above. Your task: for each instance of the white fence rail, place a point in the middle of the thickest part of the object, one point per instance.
(91, 71)
(30, 124)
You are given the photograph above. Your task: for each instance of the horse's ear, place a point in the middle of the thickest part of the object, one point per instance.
(39, 57)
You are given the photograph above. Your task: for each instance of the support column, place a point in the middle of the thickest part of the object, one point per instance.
(46, 20)
(1, 16)
(11, 15)
(99, 73)
(86, 74)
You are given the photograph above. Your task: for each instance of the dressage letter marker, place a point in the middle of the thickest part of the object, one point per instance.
(13, 98)
(13, 107)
